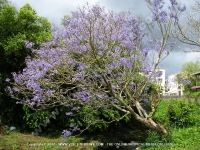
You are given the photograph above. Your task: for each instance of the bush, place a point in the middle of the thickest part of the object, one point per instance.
(55, 118)
(177, 114)
(161, 115)
(32, 118)
(153, 137)
(183, 122)
(186, 138)
(182, 114)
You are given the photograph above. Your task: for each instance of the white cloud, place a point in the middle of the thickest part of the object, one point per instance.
(51, 9)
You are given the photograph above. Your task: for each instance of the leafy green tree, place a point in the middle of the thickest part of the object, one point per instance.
(16, 27)
(189, 68)
(187, 79)
(3, 3)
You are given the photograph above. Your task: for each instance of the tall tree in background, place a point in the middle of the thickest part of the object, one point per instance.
(16, 27)
(3, 3)
(189, 68)
(188, 80)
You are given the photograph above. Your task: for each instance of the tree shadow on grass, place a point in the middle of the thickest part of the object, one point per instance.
(124, 132)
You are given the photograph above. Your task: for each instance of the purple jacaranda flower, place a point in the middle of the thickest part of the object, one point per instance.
(99, 53)
(146, 101)
(69, 113)
(29, 45)
(123, 61)
(66, 133)
(75, 108)
(163, 16)
(159, 73)
(18, 102)
(145, 51)
(150, 41)
(167, 52)
(7, 80)
(173, 15)
(82, 67)
(115, 101)
(67, 22)
(172, 44)
(182, 9)
(75, 129)
(15, 89)
(173, 2)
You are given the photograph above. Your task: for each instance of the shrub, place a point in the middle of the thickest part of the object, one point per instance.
(55, 118)
(161, 114)
(33, 118)
(177, 114)
(182, 114)
(153, 137)
(186, 138)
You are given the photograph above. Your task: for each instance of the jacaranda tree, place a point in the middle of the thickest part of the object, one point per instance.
(101, 59)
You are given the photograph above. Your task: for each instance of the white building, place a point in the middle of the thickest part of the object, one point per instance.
(170, 86)
(173, 88)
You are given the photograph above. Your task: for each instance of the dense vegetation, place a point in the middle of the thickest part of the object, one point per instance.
(187, 71)
(16, 27)
(93, 77)
(183, 126)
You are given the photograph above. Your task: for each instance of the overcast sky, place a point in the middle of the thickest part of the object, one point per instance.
(54, 11)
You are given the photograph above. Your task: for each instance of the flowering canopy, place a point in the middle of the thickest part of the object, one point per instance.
(99, 59)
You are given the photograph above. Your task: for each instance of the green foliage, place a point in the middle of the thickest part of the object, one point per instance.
(98, 117)
(182, 138)
(155, 141)
(15, 28)
(161, 115)
(34, 118)
(182, 114)
(177, 114)
(186, 138)
(0, 87)
(195, 95)
(85, 117)
(3, 3)
(189, 68)
(153, 137)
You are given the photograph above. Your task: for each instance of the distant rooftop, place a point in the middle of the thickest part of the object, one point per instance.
(196, 73)
(195, 87)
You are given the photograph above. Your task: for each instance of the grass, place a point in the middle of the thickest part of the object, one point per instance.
(188, 138)
(118, 134)
(20, 141)
(181, 138)
(184, 138)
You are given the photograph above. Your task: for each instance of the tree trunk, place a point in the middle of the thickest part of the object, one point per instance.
(146, 120)
(161, 130)
(149, 123)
